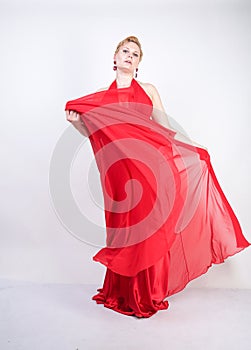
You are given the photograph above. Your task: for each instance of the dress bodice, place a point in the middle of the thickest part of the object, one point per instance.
(132, 93)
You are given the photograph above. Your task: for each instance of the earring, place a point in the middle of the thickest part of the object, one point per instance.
(114, 67)
(136, 73)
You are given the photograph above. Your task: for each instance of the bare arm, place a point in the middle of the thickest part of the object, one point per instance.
(159, 115)
(74, 118)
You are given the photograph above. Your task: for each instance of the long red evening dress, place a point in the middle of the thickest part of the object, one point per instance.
(167, 219)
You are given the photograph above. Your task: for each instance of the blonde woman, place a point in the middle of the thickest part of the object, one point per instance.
(171, 224)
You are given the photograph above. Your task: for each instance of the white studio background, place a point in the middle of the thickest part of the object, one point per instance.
(197, 53)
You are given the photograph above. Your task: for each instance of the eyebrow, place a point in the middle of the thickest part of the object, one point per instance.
(129, 49)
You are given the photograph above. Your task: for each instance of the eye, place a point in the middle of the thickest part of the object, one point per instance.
(135, 54)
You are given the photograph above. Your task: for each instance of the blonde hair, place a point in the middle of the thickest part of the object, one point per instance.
(133, 39)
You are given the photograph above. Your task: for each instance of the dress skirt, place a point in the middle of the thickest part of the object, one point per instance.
(141, 295)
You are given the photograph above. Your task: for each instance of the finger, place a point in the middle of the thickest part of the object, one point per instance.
(70, 116)
(67, 114)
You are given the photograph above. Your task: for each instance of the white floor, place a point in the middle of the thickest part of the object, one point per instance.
(46, 316)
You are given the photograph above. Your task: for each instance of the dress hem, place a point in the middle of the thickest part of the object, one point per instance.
(164, 304)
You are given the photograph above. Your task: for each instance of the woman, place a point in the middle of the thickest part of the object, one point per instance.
(127, 58)
(178, 223)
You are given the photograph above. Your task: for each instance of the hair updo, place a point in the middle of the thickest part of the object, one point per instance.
(133, 39)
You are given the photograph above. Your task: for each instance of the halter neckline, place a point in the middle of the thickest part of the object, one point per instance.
(135, 90)
(123, 87)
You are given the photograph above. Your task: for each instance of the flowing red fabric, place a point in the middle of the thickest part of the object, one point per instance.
(167, 218)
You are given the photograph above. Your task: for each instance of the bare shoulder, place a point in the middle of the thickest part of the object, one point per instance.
(154, 94)
(149, 88)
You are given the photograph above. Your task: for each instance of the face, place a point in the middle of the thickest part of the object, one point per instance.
(127, 58)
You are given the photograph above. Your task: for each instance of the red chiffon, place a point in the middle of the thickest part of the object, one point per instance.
(167, 218)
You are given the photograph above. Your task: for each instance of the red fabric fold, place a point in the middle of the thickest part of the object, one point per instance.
(140, 296)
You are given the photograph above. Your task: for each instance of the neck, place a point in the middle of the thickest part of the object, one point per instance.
(123, 79)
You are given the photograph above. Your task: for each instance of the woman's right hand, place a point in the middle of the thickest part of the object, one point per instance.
(74, 118)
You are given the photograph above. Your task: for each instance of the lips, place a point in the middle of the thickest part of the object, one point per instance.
(128, 62)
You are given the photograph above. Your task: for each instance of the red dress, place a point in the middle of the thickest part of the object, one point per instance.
(167, 219)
